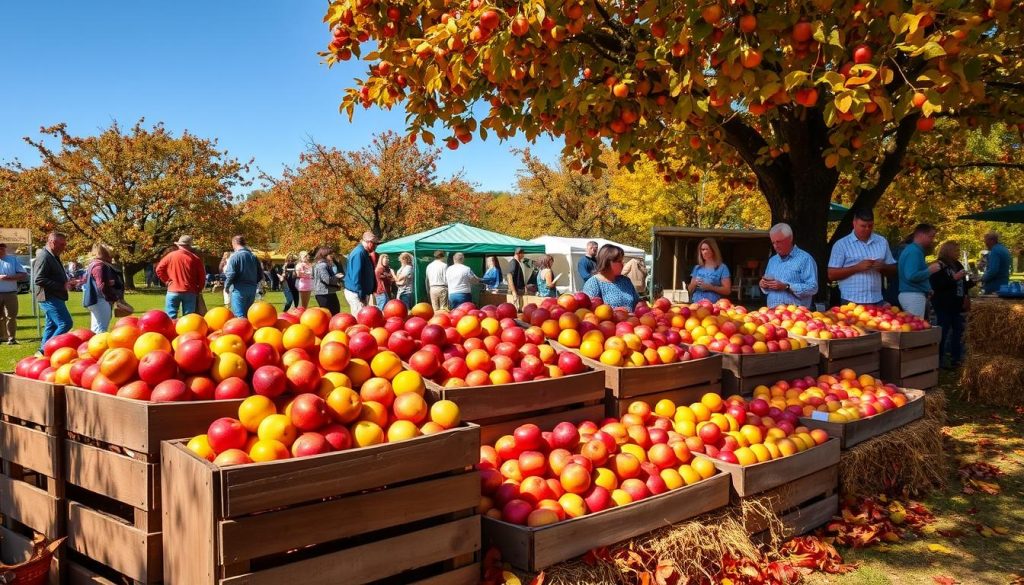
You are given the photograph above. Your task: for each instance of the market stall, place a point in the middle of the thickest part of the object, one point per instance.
(567, 253)
(745, 252)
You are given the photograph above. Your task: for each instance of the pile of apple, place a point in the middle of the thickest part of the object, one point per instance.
(846, 397)
(814, 324)
(536, 478)
(879, 317)
(614, 337)
(726, 329)
(736, 431)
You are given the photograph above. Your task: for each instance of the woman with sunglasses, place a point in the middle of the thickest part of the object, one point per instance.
(608, 283)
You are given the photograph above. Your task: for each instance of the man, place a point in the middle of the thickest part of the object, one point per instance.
(914, 273)
(52, 285)
(791, 277)
(11, 273)
(859, 260)
(587, 264)
(185, 276)
(997, 270)
(460, 279)
(636, 271)
(360, 279)
(242, 276)
(437, 281)
(516, 277)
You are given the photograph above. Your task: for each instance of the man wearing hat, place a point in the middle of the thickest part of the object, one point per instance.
(183, 271)
(11, 272)
(360, 279)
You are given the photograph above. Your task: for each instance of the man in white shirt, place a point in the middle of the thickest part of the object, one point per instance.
(437, 283)
(11, 273)
(460, 279)
(859, 260)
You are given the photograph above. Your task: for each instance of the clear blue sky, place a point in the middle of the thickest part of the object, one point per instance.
(246, 73)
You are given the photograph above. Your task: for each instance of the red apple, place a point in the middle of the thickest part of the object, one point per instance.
(230, 388)
(157, 366)
(171, 391)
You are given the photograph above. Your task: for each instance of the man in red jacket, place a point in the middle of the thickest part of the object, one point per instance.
(185, 276)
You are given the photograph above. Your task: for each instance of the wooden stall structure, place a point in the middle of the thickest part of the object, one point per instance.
(745, 371)
(745, 252)
(911, 358)
(860, 354)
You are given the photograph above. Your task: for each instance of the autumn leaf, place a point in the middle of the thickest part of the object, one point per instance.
(938, 548)
(943, 580)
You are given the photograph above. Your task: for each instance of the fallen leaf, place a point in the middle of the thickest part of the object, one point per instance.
(940, 549)
(510, 578)
(944, 580)
(1001, 530)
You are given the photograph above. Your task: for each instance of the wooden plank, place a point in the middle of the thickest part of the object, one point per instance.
(79, 575)
(856, 432)
(534, 549)
(32, 449)
(190, 507)
(376, 560)
(850, 346)
(904, 363)
(34, 401)
(925, 381)
(140, 426)
(32, 506)
(682, 396)
(490, 433)
(806, 519)
(269, 485)
(490, 402)
(733, 385)
(756, 364)
(108, 540)
(468, 575)
(789, 496)
(864, 363)
(748, 480)
(908, 339)
(298, 527)
(112, 475)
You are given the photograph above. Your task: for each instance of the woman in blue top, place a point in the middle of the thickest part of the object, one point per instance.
(545, 278)
(710, 279)
(608, 283)
(492, 277)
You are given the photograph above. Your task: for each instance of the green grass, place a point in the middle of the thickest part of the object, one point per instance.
(143, 301)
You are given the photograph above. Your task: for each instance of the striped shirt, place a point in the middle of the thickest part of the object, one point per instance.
(863, 287)
(799, 271)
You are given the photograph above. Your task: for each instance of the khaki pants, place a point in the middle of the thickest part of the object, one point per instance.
(439, 298)
(8, 315)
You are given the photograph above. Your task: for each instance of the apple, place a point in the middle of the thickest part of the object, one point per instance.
(402, 343)
(570, 363)
(231, 388)
(171, 391)
(370, 316)
(157, 366)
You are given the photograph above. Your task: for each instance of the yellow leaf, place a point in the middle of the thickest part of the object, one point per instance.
(844, 102)
(940, 549)
(510, 578)
(1000, 530)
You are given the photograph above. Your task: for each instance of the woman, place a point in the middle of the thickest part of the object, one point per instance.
(304, 279)
(710, 279)
(385, 281)
(492, 276)
(405, 278)
(608, 283)
(546, 277)
(950, 301)
(223, 265)
(324, 283)
(287, 278)
(103, 287)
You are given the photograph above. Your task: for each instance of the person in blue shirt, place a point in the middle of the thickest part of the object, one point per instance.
(915, 273)
(997, 273)
(587, 265)
(492, 276)
(608, 283)
(11, 273)
(360, 278)
(791, 277)
(242, 276)
(710, 279)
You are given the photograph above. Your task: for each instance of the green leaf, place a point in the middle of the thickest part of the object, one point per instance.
(929, 50)
(833, 79)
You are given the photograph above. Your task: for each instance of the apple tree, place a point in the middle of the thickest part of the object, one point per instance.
(788, 96)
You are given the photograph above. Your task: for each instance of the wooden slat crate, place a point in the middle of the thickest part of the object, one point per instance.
(405, 511)
(112, 472)
(858, 431)
(681, 382)
(31, 450)
(744, 372)
(860, 354)
(911, 358)
(507, 406)
(533, 549)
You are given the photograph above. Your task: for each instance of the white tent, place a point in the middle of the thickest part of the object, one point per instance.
(568, 251)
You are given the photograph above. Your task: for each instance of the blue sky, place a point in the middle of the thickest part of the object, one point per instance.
(246, 73)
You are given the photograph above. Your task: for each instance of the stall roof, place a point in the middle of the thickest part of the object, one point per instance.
(458, 237)
(709, 233)
(559, 245)
(1008, 213)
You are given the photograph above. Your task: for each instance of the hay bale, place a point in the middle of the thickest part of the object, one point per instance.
(908, 459)
(935, 404)
(694, 549)
(996, 326)
(992, 378)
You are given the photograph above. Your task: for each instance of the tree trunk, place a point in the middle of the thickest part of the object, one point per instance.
(129, 271)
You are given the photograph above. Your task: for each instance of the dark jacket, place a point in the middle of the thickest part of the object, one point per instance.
(102, 280)
(515, 270)
(50, 277)
(949, 293)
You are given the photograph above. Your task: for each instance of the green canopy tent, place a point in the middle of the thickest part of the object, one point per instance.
(836, 212)
(1007, 214)
(475, 243)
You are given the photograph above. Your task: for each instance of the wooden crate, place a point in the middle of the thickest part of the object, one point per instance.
(858, 431)
(923, 381)
(515, 404)
(112, 472)
(744, 372)
(911, 339)
(911, 358)
(31, 450)
(860, 354)
(533, 549)
(403, 510)
(750, 480)
(802, 505)
(593, 412)
(681, 382)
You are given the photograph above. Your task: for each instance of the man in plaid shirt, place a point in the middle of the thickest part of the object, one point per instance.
(859, 260)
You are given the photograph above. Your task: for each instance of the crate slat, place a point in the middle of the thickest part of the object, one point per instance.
(34, 401)
(478, 404)
(925, 381)
(113, 475)
(903, 363)
(748, 480)
(733, 385)
(865, 363)
(32, 506)
(747, 365)
(790, 496)
(847, 347)
(187, 485)
(111, 541)
(856, 432)
(909, 339)
(31, 448)
(807, 518)
(468, 575)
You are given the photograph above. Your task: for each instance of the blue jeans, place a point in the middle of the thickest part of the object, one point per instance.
(289, 300)
(101, 313)
(381, 300)
(186, 300)
(242, 297)
(58, 319)
(456, 299)
(406, 298)
(952, 323)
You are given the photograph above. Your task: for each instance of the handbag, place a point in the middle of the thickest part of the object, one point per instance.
(201, 304)
(122, 308)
